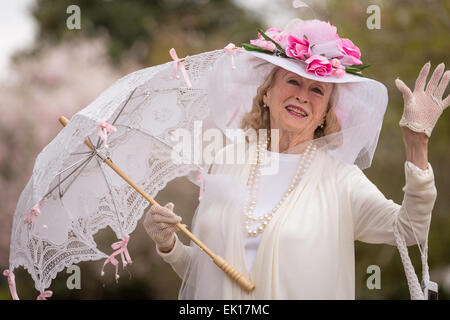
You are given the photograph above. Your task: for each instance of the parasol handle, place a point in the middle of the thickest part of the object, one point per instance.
(218, 260)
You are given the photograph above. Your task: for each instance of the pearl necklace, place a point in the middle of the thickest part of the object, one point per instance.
(253, 180)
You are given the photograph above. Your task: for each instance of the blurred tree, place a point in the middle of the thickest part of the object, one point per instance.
(148, 29)
(40, 90)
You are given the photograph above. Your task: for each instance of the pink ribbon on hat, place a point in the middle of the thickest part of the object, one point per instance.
(177, 65)
(121, 248)
(44, 295)
(231, 49)
(103, 129)
(200, 180)
(11, 283)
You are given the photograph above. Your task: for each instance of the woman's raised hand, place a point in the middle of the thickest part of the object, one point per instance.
(424, 106)
(160, 224)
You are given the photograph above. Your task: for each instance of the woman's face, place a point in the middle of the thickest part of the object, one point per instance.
(297, 105)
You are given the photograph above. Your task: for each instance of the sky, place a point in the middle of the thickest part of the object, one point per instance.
(17, 30)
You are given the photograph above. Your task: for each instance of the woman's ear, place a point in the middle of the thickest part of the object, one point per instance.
(266, 97)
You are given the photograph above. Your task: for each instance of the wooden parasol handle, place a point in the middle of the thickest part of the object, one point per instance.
(218, 260)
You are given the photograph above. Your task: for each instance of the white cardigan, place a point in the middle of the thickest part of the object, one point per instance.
(307, 250)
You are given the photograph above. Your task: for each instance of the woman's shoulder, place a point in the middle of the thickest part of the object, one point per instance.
(339, 169)
(231, 157)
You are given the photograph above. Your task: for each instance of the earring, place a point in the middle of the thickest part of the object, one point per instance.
(322, 125)
(265, 105)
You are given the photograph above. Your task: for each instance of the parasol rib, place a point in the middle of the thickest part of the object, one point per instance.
(58, 186)
(112, 196)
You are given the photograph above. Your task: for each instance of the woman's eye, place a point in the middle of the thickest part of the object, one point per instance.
(293, 82)
(317, 90)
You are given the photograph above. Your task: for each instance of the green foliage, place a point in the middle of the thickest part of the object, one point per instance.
(250, 47)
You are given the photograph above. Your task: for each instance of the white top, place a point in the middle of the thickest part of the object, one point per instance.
(276, 176)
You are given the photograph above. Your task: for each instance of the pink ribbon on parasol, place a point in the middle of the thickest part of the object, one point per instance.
(200, 180)
(11, 283)
(103, 129)
(121, 248)
(33, 212)
(44, 295)
(177, 65)
(236, 112)
(231, 49)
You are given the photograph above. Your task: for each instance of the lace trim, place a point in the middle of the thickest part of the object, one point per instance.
(417, 170)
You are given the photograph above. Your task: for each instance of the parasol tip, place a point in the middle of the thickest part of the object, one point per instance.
(63, 120)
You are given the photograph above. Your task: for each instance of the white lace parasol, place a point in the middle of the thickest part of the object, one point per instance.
(74, 194)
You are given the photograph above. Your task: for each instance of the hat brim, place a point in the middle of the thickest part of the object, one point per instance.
(299, 67)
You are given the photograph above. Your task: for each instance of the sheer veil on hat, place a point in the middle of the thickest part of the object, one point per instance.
(360, 102)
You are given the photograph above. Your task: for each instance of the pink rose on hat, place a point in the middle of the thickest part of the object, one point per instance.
(319, 65)
(263, 44)
(352, 54)
(273, 33)
(298, 48)
(338, 68)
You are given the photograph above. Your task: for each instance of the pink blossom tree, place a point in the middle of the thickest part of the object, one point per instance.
(57, 81)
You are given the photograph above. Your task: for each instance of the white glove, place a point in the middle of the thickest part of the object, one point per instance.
(160, 224)
(423, 107)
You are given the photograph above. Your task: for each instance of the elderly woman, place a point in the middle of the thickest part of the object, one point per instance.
(301, 221)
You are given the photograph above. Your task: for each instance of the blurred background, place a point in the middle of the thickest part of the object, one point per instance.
(48, 70)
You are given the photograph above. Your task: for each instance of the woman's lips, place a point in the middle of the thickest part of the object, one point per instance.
(296, 111)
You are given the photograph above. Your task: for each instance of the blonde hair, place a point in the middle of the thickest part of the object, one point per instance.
(259, 116)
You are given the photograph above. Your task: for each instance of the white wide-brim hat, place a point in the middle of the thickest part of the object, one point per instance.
(360, 102)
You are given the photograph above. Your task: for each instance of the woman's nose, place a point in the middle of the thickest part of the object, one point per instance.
(301, 99)
(302, 95)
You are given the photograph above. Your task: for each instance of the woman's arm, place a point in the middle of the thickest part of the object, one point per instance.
(374, 215)
(178, 257)
(416, 147)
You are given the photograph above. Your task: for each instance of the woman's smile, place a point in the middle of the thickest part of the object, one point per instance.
(296, 111)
